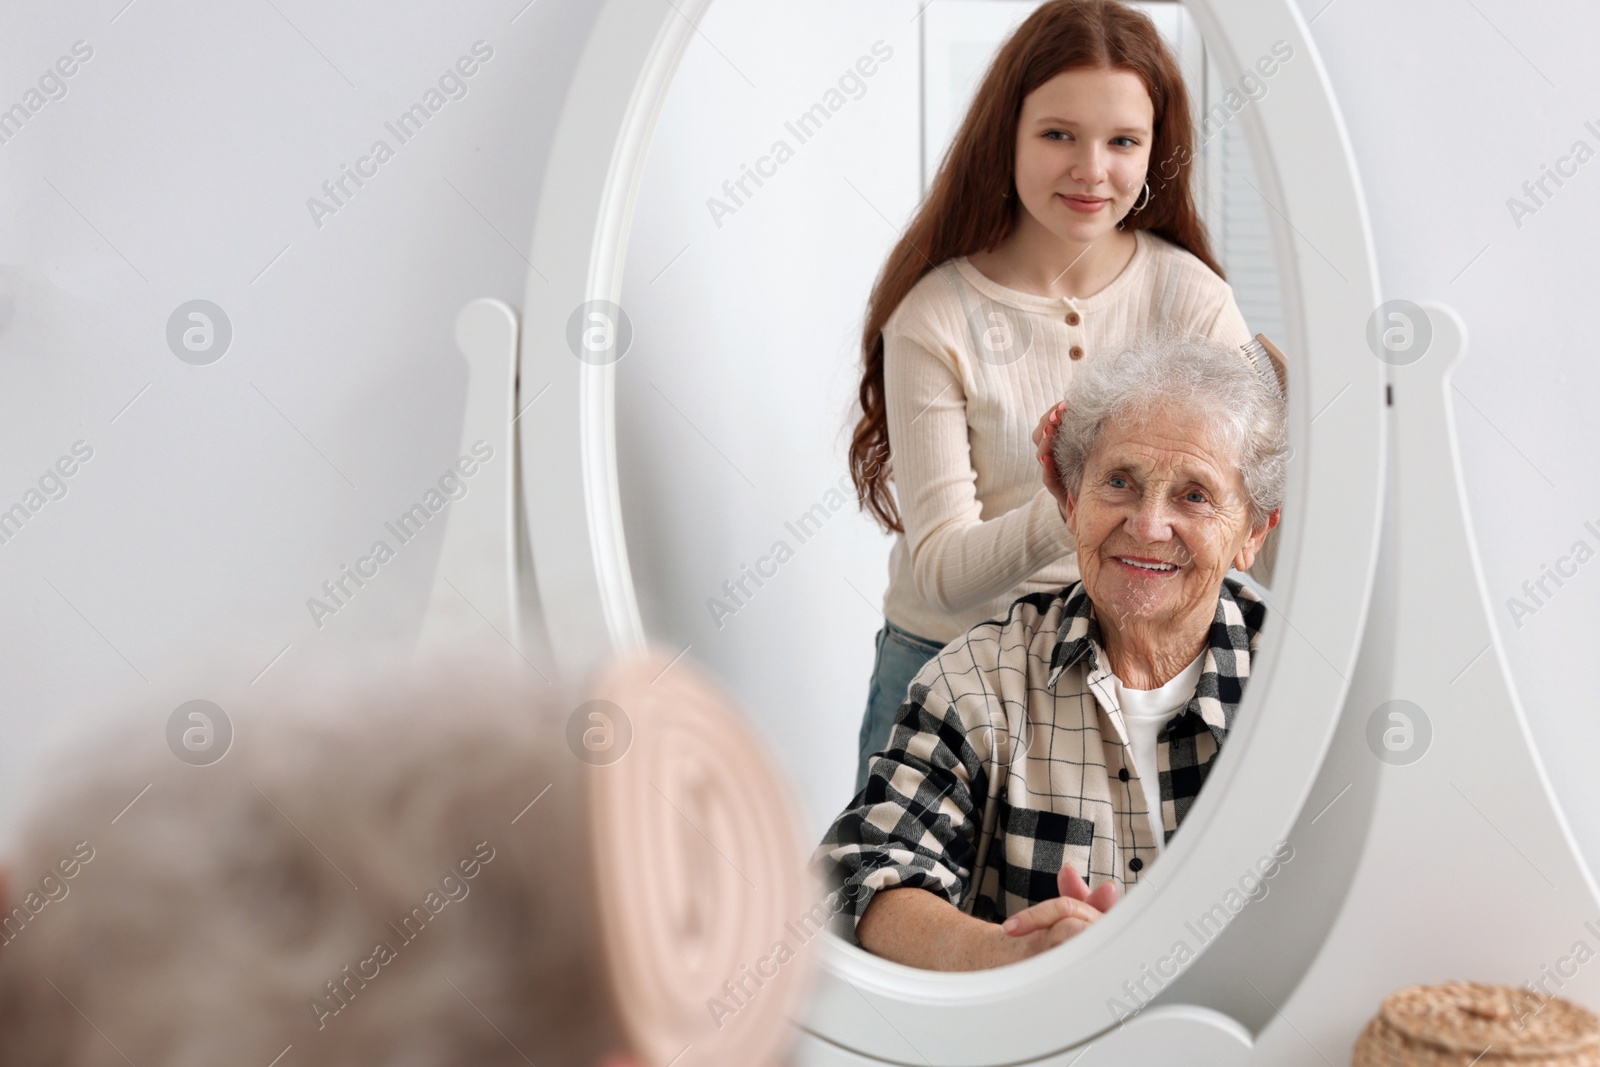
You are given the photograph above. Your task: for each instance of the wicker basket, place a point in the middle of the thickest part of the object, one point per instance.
(1457, 1024)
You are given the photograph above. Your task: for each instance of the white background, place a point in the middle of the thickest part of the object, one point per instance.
(178, 167)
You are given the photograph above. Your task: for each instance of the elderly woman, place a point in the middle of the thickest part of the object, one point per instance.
(406, 868)
(1073, 733)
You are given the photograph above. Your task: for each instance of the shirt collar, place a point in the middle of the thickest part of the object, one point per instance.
(1226, 663)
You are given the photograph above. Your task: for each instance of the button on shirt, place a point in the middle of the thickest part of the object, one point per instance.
(1006, 761)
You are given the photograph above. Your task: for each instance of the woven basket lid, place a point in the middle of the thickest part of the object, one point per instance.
(1459, 1022)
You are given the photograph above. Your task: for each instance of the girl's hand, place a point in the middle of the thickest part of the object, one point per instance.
(1044, 436)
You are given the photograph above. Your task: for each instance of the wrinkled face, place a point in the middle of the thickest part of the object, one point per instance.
(1160, 515)
(1083, 146)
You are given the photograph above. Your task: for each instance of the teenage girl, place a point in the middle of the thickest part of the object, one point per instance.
(1060, 222)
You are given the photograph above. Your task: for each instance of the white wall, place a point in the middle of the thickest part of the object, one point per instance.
(733, 404)
(1450, 109)
(178, 167)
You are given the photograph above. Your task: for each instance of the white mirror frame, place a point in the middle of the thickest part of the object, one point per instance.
(1317, 612)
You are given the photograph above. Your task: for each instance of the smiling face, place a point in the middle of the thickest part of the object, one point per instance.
(1160, 515)
(1083, 146)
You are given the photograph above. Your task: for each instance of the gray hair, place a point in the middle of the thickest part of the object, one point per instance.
(1166, 371)
(202, 923)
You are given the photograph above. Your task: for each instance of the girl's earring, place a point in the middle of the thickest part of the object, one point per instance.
(1137, 207)
(1141, 206)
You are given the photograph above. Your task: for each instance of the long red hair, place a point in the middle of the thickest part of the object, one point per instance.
(973, 203)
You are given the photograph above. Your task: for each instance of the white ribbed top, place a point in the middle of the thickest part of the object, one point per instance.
(981, 529)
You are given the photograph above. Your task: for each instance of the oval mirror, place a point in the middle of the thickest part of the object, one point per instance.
(690, 483)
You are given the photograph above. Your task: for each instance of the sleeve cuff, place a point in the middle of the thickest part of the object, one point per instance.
(1054, 540)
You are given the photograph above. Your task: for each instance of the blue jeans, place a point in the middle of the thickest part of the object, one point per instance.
(901, 655)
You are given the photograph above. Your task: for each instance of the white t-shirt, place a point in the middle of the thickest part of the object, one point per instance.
(1146, 711)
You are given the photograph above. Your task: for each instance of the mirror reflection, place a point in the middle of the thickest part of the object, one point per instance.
(1041, 761)
(993, 389)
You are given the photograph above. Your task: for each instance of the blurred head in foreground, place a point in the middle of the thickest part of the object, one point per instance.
(456, 864)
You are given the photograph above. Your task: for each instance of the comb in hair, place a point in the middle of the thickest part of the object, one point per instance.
(1262, 353)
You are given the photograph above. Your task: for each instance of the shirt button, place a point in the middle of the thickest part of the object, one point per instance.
(1076, 352)
(1123, 774)
(1073, 318)
(1136, 864)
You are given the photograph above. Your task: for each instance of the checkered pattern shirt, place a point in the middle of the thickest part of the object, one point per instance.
(1010, 757)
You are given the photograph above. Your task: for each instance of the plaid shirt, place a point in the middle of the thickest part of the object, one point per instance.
(1010, 757)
